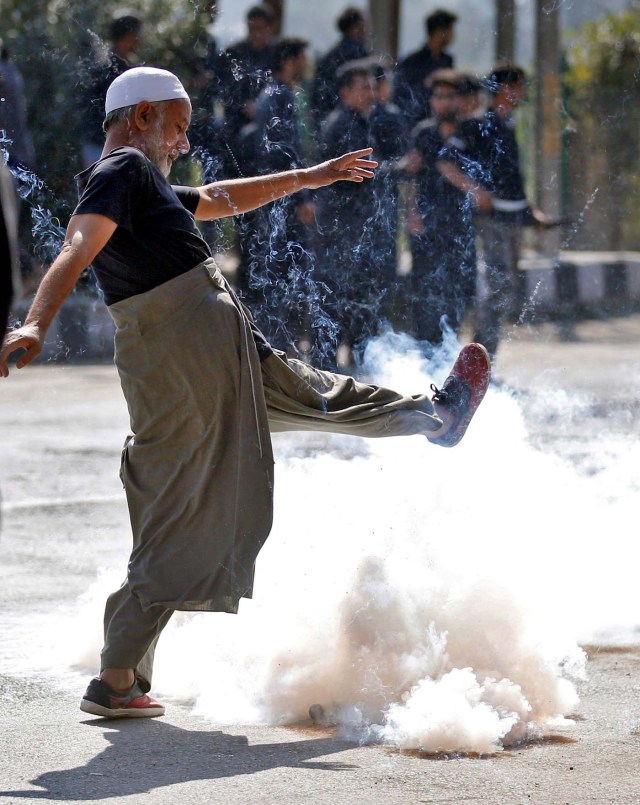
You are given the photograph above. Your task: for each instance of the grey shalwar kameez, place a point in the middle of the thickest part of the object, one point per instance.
(198, 469)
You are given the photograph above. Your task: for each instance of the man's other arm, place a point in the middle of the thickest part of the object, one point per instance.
(236, 196)
(86, 235)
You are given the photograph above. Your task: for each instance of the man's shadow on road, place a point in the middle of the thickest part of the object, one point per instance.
(145, 755)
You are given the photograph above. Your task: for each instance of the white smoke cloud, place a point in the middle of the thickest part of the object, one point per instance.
(429, 599)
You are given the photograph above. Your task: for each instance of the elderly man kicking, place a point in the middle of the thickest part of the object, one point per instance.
(203, 387)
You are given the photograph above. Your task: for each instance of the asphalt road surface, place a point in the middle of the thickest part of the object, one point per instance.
(61, 432)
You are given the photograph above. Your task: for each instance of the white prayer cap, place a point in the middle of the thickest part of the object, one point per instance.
(143, 84)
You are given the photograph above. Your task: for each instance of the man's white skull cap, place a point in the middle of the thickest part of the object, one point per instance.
(143, 84)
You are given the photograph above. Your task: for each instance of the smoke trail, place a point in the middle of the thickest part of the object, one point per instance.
(48, 233)
(579, 222)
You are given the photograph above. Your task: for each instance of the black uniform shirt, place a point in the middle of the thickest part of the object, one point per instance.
(324, 90)
(244, 72)
(101, 74)
(345, 130)
(411, 93)
(492, 158)
(277, 122)
(439, 202)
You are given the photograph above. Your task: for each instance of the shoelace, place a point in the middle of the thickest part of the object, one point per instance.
(439, 395)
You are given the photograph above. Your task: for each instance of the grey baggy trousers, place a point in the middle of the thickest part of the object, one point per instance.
(291, 394)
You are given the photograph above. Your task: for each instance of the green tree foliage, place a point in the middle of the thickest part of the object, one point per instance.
(604, 102)
(53, 43)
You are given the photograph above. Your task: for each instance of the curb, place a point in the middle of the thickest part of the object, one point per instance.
(576, 284)
(571, 286)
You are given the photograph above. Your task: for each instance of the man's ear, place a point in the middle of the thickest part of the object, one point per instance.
(143, 115)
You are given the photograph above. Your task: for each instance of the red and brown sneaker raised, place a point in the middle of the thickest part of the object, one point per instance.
(102, 700)
(462, 392)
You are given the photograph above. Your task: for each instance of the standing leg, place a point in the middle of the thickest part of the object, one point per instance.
(493, 309)
(131, 635)
(426, 290)
(514, 242)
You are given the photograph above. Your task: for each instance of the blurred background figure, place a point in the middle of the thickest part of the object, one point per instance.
(470, 92)
(492, 159)
(15, 138)
(246, 68)
(204, 70)
(206, 64)
(125, 38)
(443, 276)
(274, 279)
(352, 25)
(391, 139)
(9, 266)
(10, 282)
(348, 219)
(411, 91)
(205, 89)
(18, 155)
(229, 145)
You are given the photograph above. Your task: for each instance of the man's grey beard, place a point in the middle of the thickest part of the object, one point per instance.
(156, 144)
(157, 149)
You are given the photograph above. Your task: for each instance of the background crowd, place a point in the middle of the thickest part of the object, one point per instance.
(321, 271)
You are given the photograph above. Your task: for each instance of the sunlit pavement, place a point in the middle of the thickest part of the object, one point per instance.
(64, 518)
(599, 357)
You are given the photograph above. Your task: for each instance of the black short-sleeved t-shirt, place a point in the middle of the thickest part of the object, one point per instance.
(156, 238)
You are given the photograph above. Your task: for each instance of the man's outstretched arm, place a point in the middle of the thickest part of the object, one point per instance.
(236, 196)
(86, 236)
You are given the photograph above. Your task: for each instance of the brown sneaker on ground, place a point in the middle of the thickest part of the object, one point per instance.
(101, 699)
(462, 392)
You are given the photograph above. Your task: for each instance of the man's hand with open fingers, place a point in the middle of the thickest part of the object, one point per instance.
(28, 338)
(352, 167)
